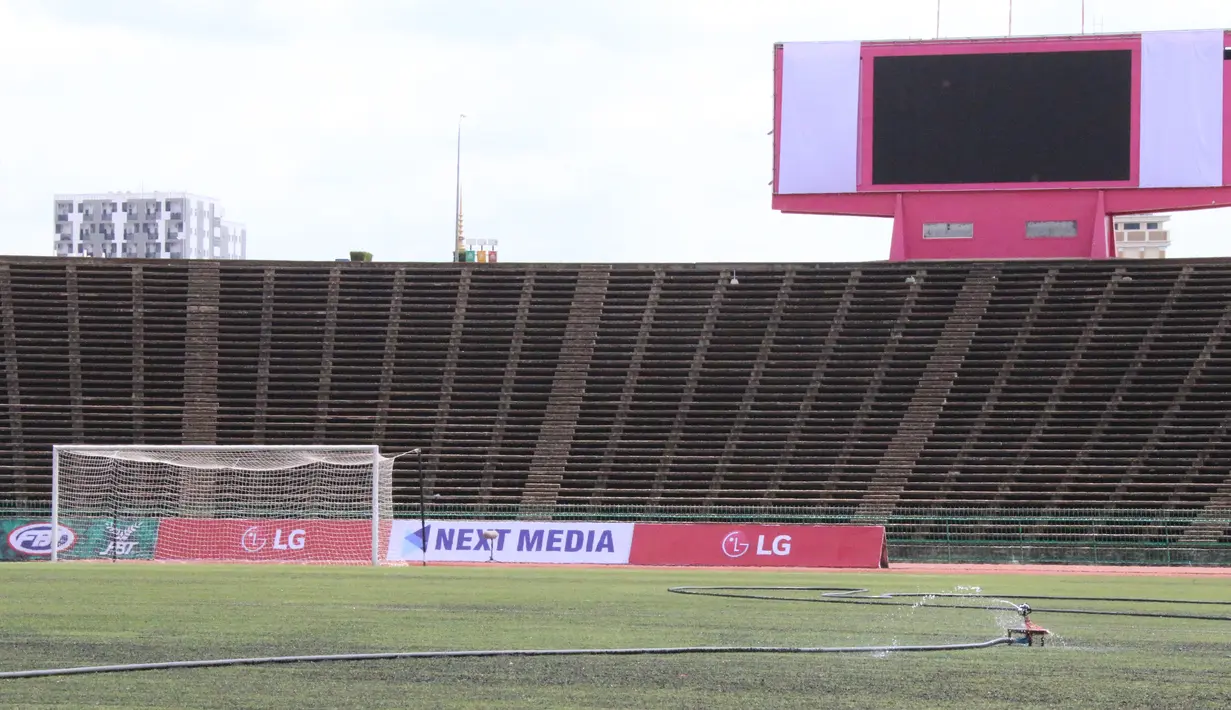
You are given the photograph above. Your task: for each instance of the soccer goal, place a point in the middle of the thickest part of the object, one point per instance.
(307, 504)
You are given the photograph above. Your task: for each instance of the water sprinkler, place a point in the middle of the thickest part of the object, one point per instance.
(490, 536)
(1028, 631)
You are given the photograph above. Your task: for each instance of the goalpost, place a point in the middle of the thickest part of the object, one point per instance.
(307, 504)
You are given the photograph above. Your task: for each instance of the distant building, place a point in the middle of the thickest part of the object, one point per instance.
(158, 225)
(1143, 236)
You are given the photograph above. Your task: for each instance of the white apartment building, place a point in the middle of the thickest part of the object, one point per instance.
(155, 225)
(1142, 236)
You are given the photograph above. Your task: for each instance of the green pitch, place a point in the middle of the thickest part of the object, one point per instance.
(91, 614)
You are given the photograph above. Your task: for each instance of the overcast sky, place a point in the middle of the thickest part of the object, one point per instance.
(621, 130)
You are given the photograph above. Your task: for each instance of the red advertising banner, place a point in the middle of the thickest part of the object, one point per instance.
(723, 545)
(220, 540)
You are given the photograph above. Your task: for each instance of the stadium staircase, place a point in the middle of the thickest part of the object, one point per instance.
(390, 329)
(448, 377)
(1083, 400)
(961, 318)
(13, 480)
(568, 386)
(589, 479)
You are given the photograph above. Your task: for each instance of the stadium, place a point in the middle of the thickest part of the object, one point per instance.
(969, 441)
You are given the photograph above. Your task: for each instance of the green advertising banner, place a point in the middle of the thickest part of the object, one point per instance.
(78, 539)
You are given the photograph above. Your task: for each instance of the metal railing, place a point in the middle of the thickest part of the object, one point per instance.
(976, 535)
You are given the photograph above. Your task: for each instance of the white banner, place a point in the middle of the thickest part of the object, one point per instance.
(464, 541)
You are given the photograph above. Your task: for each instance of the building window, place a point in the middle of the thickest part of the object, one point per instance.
(948, 230)
(1132, 225)
(1151, 225)
(1052, 228)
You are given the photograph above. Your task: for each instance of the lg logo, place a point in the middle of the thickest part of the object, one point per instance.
(254, 541)
(736, 544)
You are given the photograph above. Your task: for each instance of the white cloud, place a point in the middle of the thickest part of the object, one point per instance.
(629, 130)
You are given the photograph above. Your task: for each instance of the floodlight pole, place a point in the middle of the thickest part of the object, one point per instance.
(457, 195)
(422, 506)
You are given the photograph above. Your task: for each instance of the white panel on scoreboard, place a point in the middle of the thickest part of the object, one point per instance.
(819, 129)
(1182, 108)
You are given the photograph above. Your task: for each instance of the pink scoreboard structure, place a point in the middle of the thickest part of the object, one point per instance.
(1004, 148)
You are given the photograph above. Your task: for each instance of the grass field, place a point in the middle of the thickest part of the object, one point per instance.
(83, 614)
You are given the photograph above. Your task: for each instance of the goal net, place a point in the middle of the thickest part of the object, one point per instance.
(308, 504)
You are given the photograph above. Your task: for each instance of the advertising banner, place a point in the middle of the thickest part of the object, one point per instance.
(224, 540)
(119, 539)
(79, 538)
(31, 539)
(726, 545)
(553, 542)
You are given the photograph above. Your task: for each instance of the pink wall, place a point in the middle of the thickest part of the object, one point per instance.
(882, 204)
(1000, 224)
(1000, 218)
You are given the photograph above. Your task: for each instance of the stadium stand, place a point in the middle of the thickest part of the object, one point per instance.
(909, 394)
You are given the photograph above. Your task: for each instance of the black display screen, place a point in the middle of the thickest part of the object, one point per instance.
(1002, 118)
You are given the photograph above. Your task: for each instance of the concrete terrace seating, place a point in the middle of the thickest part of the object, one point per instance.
(897, 393)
